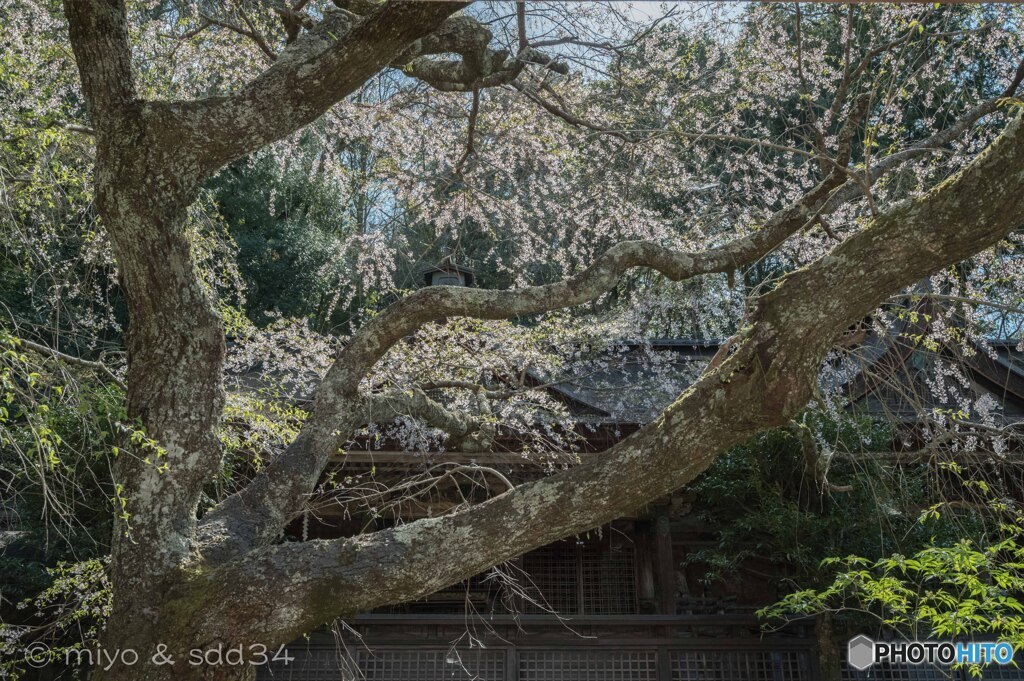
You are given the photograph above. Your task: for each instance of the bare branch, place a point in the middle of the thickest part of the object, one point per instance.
(251, 33)
(569, 118)
(474, 111)
(524, 41)
(71, 359)
(814, 466)
(1018, 77)
(422, 490)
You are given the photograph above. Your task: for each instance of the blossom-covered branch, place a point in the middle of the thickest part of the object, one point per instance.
(336, 55)
(314, 72)
(763, 384)
(265, 505)
(464, 431)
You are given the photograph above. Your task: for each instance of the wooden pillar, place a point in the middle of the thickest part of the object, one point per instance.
(512, 663)
(665, 564)
(664, 664)
(643, 563)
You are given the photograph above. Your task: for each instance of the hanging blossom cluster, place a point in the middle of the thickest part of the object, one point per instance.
(691, 134)
(49, 232)
(690, 129)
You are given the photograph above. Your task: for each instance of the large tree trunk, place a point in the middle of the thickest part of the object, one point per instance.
(144, 182)
(151, 158)
(175, 358)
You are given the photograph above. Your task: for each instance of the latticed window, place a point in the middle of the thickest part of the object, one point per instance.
(569, 577)
(582, 578)
(588, 665)
(478, 593)
(389, 665)
(740, 665)
(431, 665)
(1008, 673)
(310, 665)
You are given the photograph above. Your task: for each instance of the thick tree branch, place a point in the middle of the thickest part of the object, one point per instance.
(320, 67)
(763, 384)
(462, 429)
(313, 73)
(257, 513)
(99, 37)
(480, 65)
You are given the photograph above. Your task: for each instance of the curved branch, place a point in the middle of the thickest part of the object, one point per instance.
(255, 514)
(383, 407)
(313, 73)
(763, 384)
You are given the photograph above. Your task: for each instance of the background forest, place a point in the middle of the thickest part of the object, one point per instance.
(684, 124)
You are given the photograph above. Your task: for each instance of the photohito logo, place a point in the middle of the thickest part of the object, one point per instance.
(862, 652)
